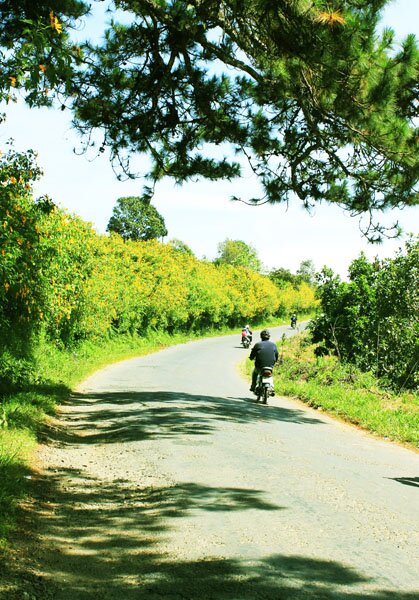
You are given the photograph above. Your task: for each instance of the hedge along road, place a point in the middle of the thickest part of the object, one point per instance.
(169, 481)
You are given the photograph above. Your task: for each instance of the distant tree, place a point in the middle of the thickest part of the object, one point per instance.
(134, 218)
(238, 254)
(282, 276)
(180, 246)
(307, 272)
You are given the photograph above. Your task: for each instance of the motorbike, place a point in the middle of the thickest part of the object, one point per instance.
(265, 384)
(246, 341)
(293, 323)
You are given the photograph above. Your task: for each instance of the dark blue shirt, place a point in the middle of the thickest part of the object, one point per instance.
(264, 353)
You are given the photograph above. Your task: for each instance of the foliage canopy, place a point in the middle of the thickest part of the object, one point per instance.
(306, 91)
(372, 320)
(306, 272)
(134, 218)
(238, 254)
(59, 278)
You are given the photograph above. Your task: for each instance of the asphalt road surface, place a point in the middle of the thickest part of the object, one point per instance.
(167, 480)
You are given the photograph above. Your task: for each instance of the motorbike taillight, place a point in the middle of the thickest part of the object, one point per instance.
(267, 372)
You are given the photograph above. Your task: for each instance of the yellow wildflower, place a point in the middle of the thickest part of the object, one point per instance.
(55, 24)
(42, 68)
(331, 18)
(12, 81)
(12, 179)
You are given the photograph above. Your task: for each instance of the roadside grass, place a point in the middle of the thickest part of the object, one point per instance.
(345, 392)
(25, 408)
(16, 447)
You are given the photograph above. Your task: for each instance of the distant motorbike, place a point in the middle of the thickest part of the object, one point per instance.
(265, 384)
(246, 340)
(293, 323)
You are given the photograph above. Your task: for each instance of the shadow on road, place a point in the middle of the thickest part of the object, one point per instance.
(111, 417)
(412, 481)
(103, 540)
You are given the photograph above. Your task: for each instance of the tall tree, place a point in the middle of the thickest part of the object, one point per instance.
(238, 254)
(319, 103)
(134, 218)
(180, 246)
(307, 271)
(282, 276)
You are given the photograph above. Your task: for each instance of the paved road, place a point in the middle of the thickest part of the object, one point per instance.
(171, 482)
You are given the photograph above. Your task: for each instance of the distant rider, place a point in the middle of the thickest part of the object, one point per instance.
(265, 354)
(293, 320)
(247, 332)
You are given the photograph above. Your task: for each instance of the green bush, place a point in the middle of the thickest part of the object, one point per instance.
(16, 372)
(372, 321)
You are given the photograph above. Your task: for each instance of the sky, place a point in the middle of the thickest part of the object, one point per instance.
(200, 213)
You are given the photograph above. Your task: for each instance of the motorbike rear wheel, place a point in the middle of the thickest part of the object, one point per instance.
(265, 395)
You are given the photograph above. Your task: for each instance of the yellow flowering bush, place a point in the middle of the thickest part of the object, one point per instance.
(58, 276)
(22, 293)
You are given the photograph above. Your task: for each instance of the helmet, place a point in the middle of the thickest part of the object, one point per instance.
(246, 326)
(265, 335)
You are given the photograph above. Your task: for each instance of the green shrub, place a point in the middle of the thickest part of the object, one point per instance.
(16, 372)
(372, 321)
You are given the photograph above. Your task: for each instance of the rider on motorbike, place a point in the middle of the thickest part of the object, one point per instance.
(293, 320)
(265, 354)
(247, 332)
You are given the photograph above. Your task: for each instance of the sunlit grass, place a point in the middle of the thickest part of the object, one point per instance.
(344, 391)
(16, 447)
